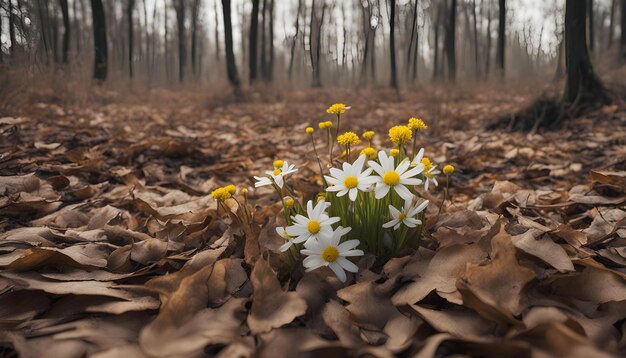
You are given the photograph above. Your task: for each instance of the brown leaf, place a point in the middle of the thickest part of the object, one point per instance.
(271, 306)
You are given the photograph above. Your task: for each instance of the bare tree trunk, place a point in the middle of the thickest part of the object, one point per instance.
(436, 62)
(295, 40)
(476, 52)
(270, 69)
(582, 85)
(392, 45)
(12, 36)
(254, 36)
(231, 65)
(590, 29)
(611, 23)
(179, 6)
(131, 38)
(488, 49)
(264, 41)
(100, 40)
(217, 37)
(166, 55)
(194, 36)
(501, 38)
(622, 41)
(66, 29)
(413, 36)
(450, 42)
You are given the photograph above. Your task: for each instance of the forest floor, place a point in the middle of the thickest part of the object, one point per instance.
(111, 245)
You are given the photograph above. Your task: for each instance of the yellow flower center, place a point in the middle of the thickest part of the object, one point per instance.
(402, 216)
(313, 226)
(428, 165)
(278, 163)
(391, 178)
(429, 175)
(351, 182)
(330, 254)
(276, 172)
(289, 202)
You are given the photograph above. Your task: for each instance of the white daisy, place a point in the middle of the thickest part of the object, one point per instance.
(327, 251)
(276, 176)
(406, 216)
(315, 225)
(417, 161)
(282, 232)
(430, 171)
(396, 178)
(351, 179)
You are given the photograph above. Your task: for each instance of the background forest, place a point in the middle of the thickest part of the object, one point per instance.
(166, 166)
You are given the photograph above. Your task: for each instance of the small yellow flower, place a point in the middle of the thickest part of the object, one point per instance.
(448, 169)
(368, 135)
(309, 130)
(322, 125)
(278, 163)
(231, 189)
(400, 135)
(348, 138)
(220, 194)
(244, 191)
(369, 152)
(320, 197)
(289, 202)
(417, 124)
(328, 124)
(337, 109)
(428, 165)
(394, 152)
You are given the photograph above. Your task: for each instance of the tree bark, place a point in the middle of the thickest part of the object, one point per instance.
(413, 36)
(476, 52)
(450, 42)
(231, 65)
(392, 45)
(264, 41)
(295, 40)
(501, 37)
(436, 62)
(253, 41)
(590, 29)
(179, 6)
(217, 37)
(270, 69)
(131, 37)
(12, 36)
(100, 40)
(66, 30)
(582, 85)
(194, 36)
(622, 41)
(611, 23)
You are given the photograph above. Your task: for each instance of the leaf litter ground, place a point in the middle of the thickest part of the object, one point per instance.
(110, 244)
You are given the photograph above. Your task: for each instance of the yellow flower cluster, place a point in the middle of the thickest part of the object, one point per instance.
(325, 125)
(417, 124)
(369, 152)
(368, 135)
(337, 109)
(221, 194)
(400, 135)
(348, 138)
(448, 169)
(309, 130)
(428, 165)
